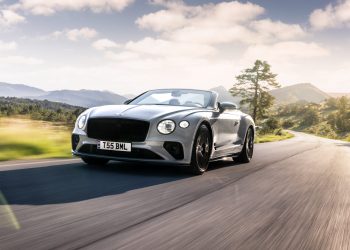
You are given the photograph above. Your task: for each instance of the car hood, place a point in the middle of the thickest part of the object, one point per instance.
(141, 112)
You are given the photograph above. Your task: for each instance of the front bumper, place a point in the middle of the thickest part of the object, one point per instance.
(147, 151)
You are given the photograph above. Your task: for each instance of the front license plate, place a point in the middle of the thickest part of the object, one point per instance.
(115, 146)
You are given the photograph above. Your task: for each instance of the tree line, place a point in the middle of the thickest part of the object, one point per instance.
(40, 110)
(331, 118)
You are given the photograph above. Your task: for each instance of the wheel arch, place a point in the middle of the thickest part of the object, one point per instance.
(253, 128)
(207, 124)
(246, 123)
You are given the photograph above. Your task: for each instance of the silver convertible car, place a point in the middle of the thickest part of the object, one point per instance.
(173, 126)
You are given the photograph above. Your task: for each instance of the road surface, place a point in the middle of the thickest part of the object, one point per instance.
(295, 194)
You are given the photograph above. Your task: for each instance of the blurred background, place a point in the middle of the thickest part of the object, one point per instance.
(59, 58)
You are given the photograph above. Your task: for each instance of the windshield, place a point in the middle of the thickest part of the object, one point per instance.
(175, 97)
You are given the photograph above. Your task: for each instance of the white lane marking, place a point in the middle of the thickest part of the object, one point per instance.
(11, 217)
(37, 162)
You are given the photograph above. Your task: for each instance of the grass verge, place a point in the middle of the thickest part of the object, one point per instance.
(28, 139)
(272, 137)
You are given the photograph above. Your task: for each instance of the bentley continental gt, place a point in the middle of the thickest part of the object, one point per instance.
(171, 126)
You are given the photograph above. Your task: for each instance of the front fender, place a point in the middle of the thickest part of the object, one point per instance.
(246, 122)
(185, 136)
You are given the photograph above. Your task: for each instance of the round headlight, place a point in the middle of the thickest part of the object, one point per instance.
(82, 121)
(166, 127)
(184, 124)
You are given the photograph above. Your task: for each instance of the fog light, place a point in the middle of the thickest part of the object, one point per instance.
(175, 149)
(75, 141)
(184, 124)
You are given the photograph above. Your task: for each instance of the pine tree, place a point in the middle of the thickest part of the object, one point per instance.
(253, 86)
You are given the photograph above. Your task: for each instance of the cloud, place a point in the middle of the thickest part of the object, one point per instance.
(83, 33)
(105, 44)
(75, 34)
(268, 29)
(7, 46)
(122, 56)
(160, 47)
(285, 51)
(20, 60)
(332, 16)
(162, 20)
(180, 15)
(134, 76)
(9, 17)
(224, 22)
(49, 7)
(212, 35)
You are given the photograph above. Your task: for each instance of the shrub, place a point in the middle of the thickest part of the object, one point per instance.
(288, 123)
(270, 125)
(322, 129)
(279, 132)
(310, 117)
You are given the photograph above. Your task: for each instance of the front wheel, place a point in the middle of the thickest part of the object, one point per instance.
(95, 161)
(201, 151)
(248, 148)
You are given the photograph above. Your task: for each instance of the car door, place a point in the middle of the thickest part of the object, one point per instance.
(226, 128)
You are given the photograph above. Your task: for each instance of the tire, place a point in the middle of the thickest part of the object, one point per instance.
(248, 148)
(95, 161)
(201, 151)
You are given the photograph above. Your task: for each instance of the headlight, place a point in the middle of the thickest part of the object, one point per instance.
(82, 121)
(166, 127)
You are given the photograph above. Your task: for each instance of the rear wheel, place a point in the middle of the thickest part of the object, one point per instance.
(94, 161)
(201, 151)
(248, 148)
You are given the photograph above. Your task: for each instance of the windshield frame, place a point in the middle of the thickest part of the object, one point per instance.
(211, 103)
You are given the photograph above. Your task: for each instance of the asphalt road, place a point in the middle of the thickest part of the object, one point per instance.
(295, 194)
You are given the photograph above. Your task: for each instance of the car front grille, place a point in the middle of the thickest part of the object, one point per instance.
(117, 129)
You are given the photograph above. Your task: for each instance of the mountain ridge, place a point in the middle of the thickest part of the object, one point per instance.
(90, 98)
(81, 98)
(19, 90)
(299, 92)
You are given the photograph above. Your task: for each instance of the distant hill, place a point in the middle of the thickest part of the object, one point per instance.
(299, 92)
(303, 92)
(83, 98)
(337, 95)
(19, 90)
(225, 95)
(45, 104)
(129, 96)
(39, 110)
(90, 98)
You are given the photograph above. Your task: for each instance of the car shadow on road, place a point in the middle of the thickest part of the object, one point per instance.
(77, 182)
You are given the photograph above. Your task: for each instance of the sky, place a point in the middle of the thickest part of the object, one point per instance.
(129, 46)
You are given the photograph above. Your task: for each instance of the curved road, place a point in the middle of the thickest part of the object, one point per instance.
(295, 194)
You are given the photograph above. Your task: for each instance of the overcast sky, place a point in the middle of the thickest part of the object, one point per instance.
(128, 46)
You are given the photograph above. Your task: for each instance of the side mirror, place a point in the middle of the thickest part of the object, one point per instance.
(226, 106)
(127, 101)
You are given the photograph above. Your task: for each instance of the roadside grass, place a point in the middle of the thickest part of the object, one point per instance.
(272, 137)
(22, 138)
(324, 130)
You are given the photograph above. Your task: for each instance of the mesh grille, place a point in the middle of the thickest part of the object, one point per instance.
(115, 129)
